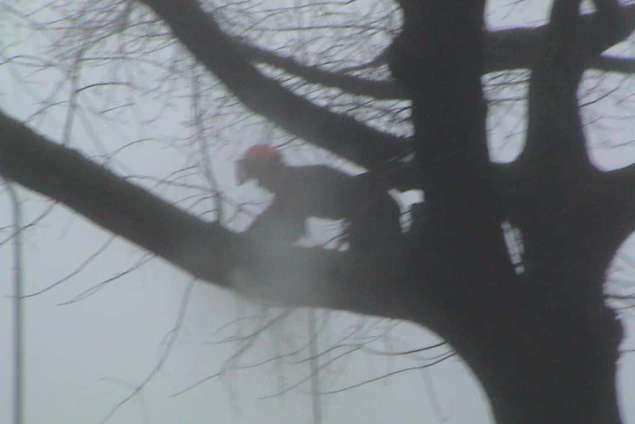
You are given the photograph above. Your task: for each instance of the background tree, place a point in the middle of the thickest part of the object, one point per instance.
(534, 330)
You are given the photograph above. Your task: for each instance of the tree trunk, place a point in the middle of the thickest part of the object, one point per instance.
(549, 365)
(543, 344)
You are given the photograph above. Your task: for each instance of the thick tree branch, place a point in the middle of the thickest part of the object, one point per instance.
(438, 57)
(622, 65)
(520, 48)
(120, 207)
(507, 49)
(556, 146)
(337, 133)
(380, 90)
(555, 139)
(610, 25)
(620, 185)
(624, 177)
(289, 275)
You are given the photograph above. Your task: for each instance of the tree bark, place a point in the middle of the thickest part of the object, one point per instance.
(542, 343)
(551, 365)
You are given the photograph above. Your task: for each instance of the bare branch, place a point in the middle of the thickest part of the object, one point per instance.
(339, 134)
(124, 209)
(505, 50)
(614, 64)
(353, 85)
(288, 275)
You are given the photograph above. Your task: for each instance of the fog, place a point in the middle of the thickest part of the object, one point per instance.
(105, 323)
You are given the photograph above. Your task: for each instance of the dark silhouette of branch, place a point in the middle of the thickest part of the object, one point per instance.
(351, 84)
(288, 275)
(504, 50)
(613, 64)
(340, 134)
(554, 128)
(124, 209)
(521, 47)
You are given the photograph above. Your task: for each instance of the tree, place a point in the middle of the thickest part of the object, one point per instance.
(541, 340)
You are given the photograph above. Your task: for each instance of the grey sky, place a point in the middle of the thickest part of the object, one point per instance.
(84, 357)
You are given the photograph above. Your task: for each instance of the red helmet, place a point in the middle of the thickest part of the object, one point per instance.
(260, 152)
(256, 159)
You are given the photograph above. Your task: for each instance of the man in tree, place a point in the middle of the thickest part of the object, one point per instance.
(544, 346)
(319, 191)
